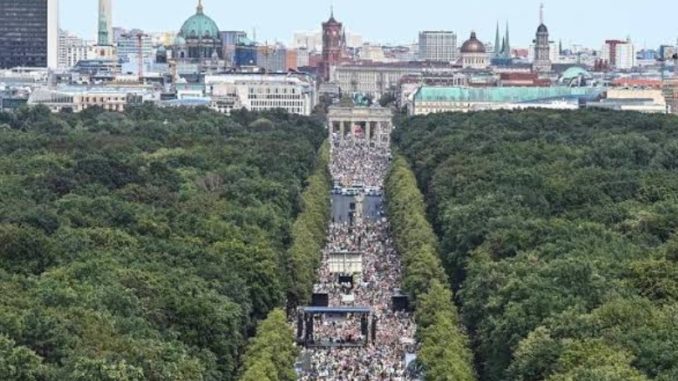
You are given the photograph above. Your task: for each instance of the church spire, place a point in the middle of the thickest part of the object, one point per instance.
(507, 51)
(497, 42)
(199, 6)
(332, 19)
(541, 14)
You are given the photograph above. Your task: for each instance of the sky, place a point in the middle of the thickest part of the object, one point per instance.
(586, 22)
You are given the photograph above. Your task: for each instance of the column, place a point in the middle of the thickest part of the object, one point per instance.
(368, 135)
(341, 131)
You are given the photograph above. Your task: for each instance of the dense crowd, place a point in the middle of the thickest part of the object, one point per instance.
(355, 163)
(383, 359)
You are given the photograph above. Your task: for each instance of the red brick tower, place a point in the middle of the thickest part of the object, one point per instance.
(333, 45)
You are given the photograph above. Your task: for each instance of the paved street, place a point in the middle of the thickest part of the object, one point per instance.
(341, 207)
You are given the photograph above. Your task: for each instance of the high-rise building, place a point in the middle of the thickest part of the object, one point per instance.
(313, 41)
(334, 43)
(272, 58)
(128, 45)
(29, 33)
(666, 52)
(230, 39)
(440, 46)
(303, 57)
(105, 36)
(619, 54)
(73, 49)
(542, 46)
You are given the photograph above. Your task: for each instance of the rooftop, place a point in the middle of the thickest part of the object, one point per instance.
(503, 94)
(337, 310)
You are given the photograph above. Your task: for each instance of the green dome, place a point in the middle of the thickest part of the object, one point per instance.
(199, 26)
(179, 41)
(575, 72)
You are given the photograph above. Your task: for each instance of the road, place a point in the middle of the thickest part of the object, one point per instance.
(341, 207)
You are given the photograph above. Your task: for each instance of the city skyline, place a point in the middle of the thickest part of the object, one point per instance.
(648, 26)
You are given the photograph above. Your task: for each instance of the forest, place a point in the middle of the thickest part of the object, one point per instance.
(146, 245)
(558, 233)
(444, 352)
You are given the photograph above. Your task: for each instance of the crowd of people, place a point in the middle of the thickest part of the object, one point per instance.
(354, 162)
(373, 288)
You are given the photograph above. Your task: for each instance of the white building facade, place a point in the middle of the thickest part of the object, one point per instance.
(620, 55)
(73, 49)
(438, 46)
(258, 92)
(374, 80)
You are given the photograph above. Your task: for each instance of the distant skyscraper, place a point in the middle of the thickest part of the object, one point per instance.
(105, 23)
(127, 46)
(438, 46)
(72, 49)
(334, 44)
(272, 58)
(29, 33)
(230, 39)
(542, 46)
(619, 54)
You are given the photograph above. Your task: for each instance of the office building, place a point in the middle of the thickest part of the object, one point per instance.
(128, 45)
(438, 46)
(429, 100)
(78, 99)
(272, 58)
(374, 79)
(29, 33)
(295, 94)
(374, 53)
(618, 54)
(245, 53)
(73, 49)
(666, 52)
(230, 39)
(313, 41)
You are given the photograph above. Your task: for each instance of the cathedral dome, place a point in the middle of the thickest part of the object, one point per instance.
(473, 45)
(199, 26)
(542, 29)
(179, 41)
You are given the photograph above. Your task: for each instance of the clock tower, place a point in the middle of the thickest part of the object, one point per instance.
(333, 45)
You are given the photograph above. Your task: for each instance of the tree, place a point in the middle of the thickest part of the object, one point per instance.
(18, 363)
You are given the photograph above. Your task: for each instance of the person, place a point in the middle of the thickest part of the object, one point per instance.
(353, 163)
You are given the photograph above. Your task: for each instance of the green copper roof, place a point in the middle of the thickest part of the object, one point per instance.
(575, 72)
(199, 26)
(502, 94)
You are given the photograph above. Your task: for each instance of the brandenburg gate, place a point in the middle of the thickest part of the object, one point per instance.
(370, 125)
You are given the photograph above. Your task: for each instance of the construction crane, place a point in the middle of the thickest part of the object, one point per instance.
(140, 51)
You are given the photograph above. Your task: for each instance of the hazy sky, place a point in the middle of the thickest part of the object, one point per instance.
(588, 22)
